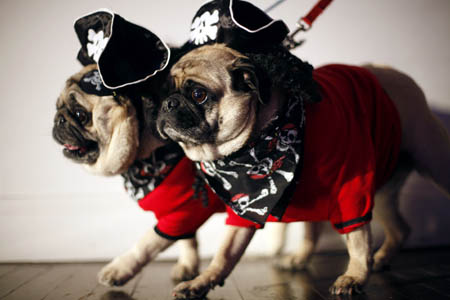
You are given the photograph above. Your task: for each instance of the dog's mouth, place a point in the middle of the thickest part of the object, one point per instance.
(76, 147)
(192, 136)
(87, 153)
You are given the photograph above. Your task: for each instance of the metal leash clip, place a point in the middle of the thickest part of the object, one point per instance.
(290, 42)
(305, 23)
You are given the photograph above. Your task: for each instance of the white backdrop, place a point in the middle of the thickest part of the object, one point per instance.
(51, 209)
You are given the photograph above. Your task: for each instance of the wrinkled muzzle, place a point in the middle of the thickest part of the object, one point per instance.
(182, 121)
(76, 146)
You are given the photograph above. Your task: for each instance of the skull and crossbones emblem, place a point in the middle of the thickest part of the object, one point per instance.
(241, 203)
(264, 169)
(284, 140)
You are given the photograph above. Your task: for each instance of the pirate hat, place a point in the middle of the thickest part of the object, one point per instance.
(91, 83)
(124, 52)
(239, 24)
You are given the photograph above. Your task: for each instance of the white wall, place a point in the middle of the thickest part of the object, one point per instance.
(50, 209)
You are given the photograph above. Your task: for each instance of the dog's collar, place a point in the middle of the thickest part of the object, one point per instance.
(238, 24)
(259, 180)
(91, 83)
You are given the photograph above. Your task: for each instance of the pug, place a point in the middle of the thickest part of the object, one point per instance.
(107, 133)
(219, 110)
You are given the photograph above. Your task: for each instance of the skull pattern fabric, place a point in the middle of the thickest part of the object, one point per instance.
(257, 181)
(145, 175)
(91, 83)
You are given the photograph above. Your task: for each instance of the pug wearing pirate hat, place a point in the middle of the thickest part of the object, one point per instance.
(279, 141)
(105, 120)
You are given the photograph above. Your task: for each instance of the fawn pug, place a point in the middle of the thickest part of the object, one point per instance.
(109, 135)
(372, 127)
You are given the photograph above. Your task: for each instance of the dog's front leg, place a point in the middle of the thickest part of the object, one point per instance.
(233, 247)
(359, 249)
(188, 262)
(125, 266)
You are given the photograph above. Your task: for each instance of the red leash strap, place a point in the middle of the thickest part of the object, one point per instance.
(315, 12)
(305, 23)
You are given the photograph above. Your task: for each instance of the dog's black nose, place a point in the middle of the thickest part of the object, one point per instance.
(171, 104)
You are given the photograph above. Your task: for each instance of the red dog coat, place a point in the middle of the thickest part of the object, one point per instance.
(352, 141)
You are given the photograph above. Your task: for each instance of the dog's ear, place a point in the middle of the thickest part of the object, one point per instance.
(244, 77)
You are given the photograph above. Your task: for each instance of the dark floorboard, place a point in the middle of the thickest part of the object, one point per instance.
(415, 274)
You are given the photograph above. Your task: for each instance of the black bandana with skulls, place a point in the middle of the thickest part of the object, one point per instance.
(146, 174)
(259, 179)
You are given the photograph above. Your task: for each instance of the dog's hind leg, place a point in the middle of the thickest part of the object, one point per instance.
(386, 211)
(427, 143)
(298, 260)
(188, 262)
(277, 239)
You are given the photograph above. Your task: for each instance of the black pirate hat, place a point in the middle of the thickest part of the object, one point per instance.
(239, 24)
(124, 52)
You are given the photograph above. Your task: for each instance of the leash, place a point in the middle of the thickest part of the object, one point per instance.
(304, 23)
(278, 2)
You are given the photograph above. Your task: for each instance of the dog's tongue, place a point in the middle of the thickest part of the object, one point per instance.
(74, 148)
(71, 147)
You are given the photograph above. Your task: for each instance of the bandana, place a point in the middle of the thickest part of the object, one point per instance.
(125, 53)
(91, 83)
(145, 175)
(259, 179)
(239, 24)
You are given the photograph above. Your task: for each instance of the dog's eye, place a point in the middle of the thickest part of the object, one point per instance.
(81, 116)
(199, 95)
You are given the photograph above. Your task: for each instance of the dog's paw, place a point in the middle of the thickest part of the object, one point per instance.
(347, 285)
(293, 262)
(118, 272)
(190, 290)
(182, 272)
(198, 287)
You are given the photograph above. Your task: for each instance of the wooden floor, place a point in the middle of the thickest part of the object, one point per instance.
(415, 274)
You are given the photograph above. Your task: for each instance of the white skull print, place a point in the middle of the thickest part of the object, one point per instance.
(210, 169)
(241, 203)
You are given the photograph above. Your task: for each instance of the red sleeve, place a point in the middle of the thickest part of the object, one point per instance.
(179, 214)
(353, 207)
(184, 221)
